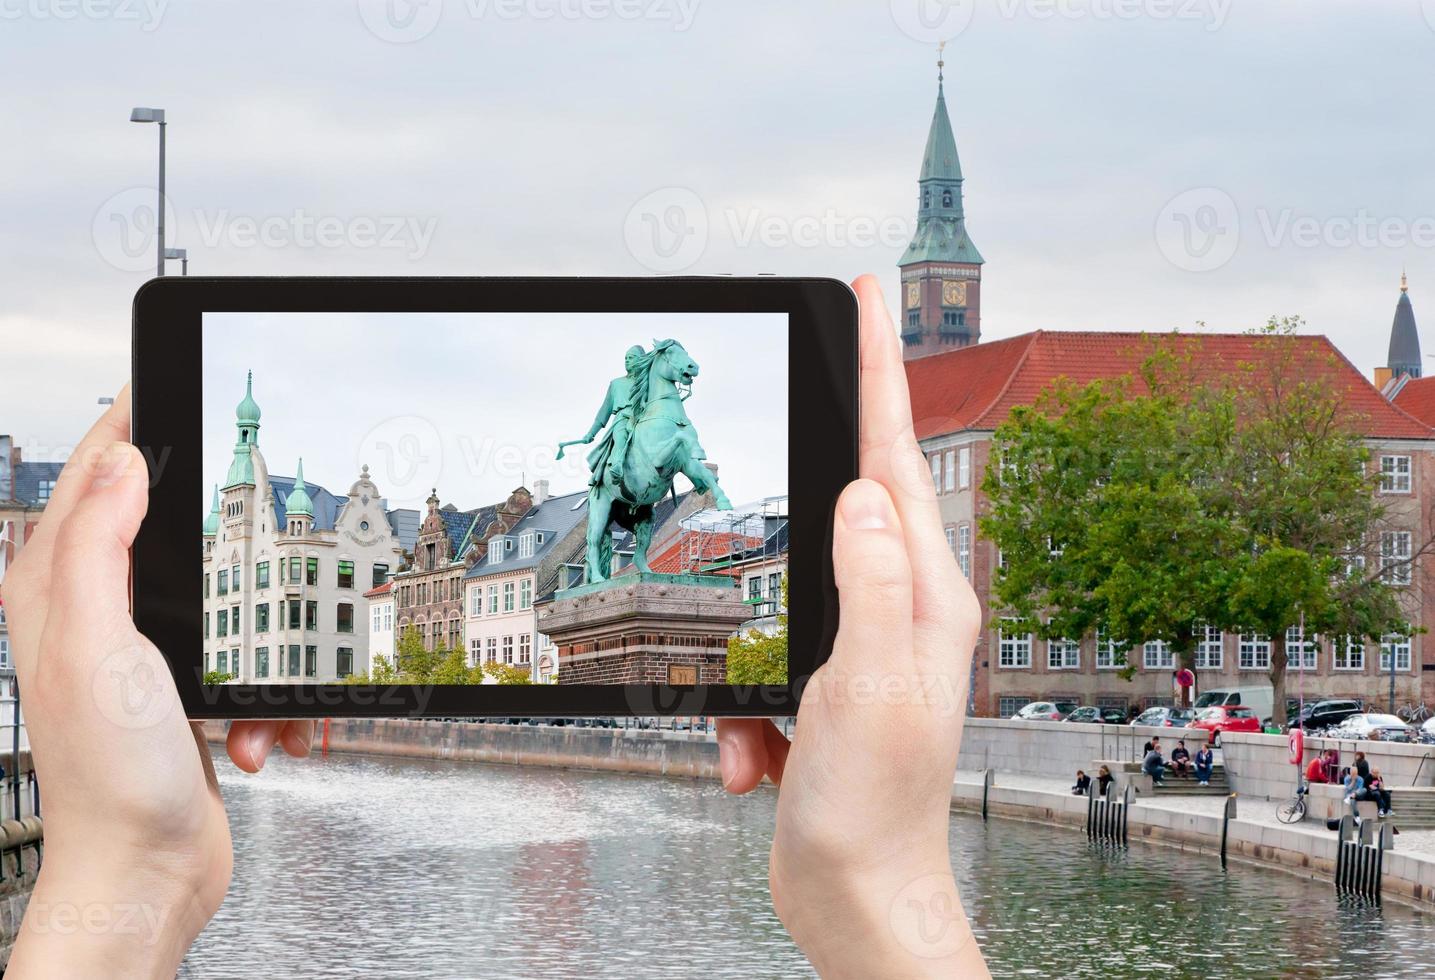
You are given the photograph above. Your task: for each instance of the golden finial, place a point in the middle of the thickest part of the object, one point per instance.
(1404, 287)
(941, 45)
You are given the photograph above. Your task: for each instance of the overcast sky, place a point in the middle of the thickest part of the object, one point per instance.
(475, 404)
(1145, 164)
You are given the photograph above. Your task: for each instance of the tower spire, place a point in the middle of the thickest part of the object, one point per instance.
(1403, 356)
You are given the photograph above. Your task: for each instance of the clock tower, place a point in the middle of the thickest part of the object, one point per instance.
(941, 269)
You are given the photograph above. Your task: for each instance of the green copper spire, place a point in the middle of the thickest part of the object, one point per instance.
(241, 469)
(299, 502)
(211, 523)
(941, 234)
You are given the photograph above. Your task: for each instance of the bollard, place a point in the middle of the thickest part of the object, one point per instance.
(1106, 818)
(1360, 856)
(1230, 814)
(987, 779)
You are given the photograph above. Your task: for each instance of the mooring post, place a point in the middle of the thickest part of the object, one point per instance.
(987, 778)
(1230, 814)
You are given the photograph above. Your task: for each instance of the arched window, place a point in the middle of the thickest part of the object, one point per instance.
(946, 197)
(926, 197)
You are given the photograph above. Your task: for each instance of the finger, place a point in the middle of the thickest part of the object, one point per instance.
(297, 736)
(777, 749)
(874, 580)
(890, 455)
(201, 741)
(742, 753)
(89, 585)
(249, 742)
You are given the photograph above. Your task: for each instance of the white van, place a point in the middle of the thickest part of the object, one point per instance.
(1261, 700)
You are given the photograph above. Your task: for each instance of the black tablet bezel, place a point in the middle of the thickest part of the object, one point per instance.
(822, 336)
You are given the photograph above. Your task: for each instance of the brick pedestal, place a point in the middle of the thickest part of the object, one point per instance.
(645, 629)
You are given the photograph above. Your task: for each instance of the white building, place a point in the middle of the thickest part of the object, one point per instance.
(286, 565)
(381, 623)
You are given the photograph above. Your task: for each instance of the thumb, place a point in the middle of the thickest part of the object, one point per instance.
(874, 580)
(91, 566)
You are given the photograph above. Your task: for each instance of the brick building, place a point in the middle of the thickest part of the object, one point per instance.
(960, 397)
(24, 491)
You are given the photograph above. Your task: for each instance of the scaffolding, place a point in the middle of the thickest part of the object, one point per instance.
(715, 542)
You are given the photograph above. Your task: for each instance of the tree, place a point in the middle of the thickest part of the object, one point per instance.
(453, 669)
(416, 662)
(759, 658)
(217, 677)
(507, 673)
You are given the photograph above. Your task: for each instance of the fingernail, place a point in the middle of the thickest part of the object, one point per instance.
(112, 464)
(729, 760)
(259, 747)
(865, 506)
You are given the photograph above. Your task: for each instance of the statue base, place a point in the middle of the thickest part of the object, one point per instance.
(645, 628)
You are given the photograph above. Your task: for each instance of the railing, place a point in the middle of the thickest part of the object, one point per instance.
(1106, 816)
(1360, 860)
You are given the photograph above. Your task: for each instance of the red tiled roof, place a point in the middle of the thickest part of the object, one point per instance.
(382, 590)
(1417, 397)
(706, 546)
(977, 387)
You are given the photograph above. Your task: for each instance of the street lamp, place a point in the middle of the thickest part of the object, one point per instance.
(183, 255)
(142, 115)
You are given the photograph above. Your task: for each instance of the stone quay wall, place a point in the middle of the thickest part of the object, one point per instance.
(1057, 749)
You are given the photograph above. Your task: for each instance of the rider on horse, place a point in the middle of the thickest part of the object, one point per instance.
(605, 462)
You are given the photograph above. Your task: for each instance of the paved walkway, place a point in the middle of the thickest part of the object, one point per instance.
(1263, 812)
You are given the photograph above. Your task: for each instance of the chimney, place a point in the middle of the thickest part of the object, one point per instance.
(1382, 377)
(540, 491)
(9, 456)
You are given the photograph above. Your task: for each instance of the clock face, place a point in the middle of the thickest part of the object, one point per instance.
(914, 295)
(954, 292)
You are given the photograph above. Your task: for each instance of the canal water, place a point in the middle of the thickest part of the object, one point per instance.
(360, 867)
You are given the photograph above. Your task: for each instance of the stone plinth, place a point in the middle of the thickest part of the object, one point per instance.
(645, 629)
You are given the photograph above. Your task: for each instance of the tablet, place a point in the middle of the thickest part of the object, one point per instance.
(492, 497)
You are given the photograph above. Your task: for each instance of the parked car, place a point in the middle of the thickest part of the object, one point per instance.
(1326, 714)
(1091, 715)
(1226, 718)
(1260, 699)
(1375, 726)
(1038, 711)
(1165, 717)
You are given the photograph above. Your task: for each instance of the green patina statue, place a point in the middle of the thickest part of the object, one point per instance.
(649, 440)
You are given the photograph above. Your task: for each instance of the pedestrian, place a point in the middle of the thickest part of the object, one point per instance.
(1375, 790)
(1083, 783)
(1180, 758)
(1155, 766)
(1104, 779)
(1316, 771)
(1205, 762)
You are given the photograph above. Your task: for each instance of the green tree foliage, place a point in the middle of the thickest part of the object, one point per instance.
(217, 677)
(1154, 503)
(755, 657)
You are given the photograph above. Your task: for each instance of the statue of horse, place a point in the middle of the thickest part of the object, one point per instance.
(662, 444)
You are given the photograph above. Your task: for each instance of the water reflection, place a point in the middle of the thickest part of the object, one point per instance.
(349, 867)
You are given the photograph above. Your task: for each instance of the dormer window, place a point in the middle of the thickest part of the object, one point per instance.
(495, 551)
(525, 544)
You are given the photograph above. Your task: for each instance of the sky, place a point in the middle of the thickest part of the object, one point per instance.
(532, 379)
(1129, 164)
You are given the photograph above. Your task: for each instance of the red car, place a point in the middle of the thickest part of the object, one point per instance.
(1226, 718)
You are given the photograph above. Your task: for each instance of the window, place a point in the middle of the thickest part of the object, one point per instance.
(345, 661)
(525, 594)
(221, 585)
(475, 601)
(493, 600)
(261, 662)
(774, 585)
(221, 664)
(1400, 647)
(964, 467)
(508, 649)
(206, 585)
(206, 626)
(1008, 706)
(1063, 654)
(1394, 474)
(455, 631)
(964, 549)
(1255, 651)
(261, 575)
(296, 566)
(495, 551)
(293, 660)
(1302, 653)
(1395, 557)
(1210, 644)
(234, 578)
(311, 571)
(222, 627)
(311, 661)
(475, 652)
(388, 617)
(1157, 655)
(376, 621)
(491, 648)
(346, 617)
(234, 620)
(381, 574)
(754, 588)
(4, 651)
(949, 470)
(346, 574)
(508, 597)
(1013, 649)
(43, 489)
(946, 197)
(311, 614)
(525, 648)
(293, 614)
(234, 663)
(525, 545)
(1110, 654)
(936, 461)
(436, 634)
(1349, 653)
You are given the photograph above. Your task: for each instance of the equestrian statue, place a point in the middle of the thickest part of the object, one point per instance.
(649, 439)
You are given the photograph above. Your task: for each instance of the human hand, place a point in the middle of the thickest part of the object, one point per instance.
(860, 868)
(135, 832)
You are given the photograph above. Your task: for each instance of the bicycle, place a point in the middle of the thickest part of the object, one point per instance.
(1414, 714)
(1293, 809)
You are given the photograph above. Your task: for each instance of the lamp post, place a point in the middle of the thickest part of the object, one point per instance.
(183, 255)
(143, 115)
